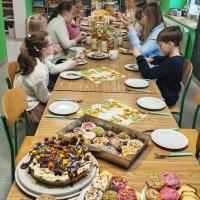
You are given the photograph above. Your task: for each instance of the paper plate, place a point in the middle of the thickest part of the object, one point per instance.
(72, 75)
(34, 188)
(137, 83)
(169, 139)
(63, 107)
(132, 67)
(151, 103)
(82, 62)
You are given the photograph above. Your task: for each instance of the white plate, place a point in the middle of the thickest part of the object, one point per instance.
(125, 51)
(63, 107)
(143, 196)
(151, 103)
(137, 83)
(92, 55)
(72, 75)
(132, 67)
(83, 62)
(79, 49)
(34, 188)
(169, 139)
(83, 193)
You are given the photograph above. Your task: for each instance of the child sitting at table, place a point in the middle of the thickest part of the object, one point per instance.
(168, 71)
(36, 23)
(153, 24)
(74, 28)
(33, 74)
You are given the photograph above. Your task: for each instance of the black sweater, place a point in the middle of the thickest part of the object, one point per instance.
(168, 74)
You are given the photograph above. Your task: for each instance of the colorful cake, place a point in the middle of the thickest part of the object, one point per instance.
(168, 193)
(118, 183)
(110, 195)
(59, 161)
(127, 194)
(93, 194)
(99, 131)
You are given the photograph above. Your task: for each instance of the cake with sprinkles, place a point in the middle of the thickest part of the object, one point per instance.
(59, 161)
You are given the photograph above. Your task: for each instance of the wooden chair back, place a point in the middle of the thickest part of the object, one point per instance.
(187, 72)
(198, 98)
(14, 103)
(12, 69)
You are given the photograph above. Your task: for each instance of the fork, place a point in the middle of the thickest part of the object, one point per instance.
(162, 156)
(156, 113)
(61, 117)
(73, 100)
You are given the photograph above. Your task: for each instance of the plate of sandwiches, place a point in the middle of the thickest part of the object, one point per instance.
(132, 67)
(97, 55)
(167, 186)
(125, 51)
(57, 166)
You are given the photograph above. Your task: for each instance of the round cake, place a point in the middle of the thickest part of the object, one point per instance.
(59, 161)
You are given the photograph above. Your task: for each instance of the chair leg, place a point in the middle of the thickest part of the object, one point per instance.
(195, 117)
(197, 154)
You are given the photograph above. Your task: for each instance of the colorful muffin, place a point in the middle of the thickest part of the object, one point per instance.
(168, 193)
(155, 181)
(99, 131)
(127, 194)
(128, 151)
(110, 134)
(101, 182)
(78, 130)
(124, 136)
(93, 194)
(135, 143)
(110, 150)
(152, 194)
(171, 180)
(89, 135)
(118, 183)
(87, 125)
(117, 143)
(110, 195)
(100, 141)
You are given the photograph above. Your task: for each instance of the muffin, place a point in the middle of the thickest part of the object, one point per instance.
(110, 134)
(93, 194)
(152, 194)
(99, 131)
(128, 194)
(124, 136)
(168, 193)
(87, 125)
(171, 180)
(135, 143)
(155, 181)
(100, 141)
(89, 135)
(78, 130)
(110, 195)
(110, 149)
(117, 143)
(118, 183)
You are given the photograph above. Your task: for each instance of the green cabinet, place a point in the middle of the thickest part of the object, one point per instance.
(3, 50)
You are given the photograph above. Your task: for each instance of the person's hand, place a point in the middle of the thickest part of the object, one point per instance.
(130, 27)
(80, 37)
(118, 15)
(136, 52)
(149, 60)
(57, 48)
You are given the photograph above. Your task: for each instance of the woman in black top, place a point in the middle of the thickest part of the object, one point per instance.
(168, 70)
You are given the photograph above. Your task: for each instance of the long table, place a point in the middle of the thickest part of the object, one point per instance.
(108, 86)
(186, 167)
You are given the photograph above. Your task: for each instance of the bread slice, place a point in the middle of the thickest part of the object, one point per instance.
(189, 195)
(189, 198)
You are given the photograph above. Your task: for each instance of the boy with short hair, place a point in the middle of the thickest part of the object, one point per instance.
(169, 69)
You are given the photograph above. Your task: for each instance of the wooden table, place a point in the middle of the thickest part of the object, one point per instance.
(109, 86)
(89, 98)
(186, 167)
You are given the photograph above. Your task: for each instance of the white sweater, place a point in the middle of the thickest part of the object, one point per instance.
(57, 28)
(35, 85)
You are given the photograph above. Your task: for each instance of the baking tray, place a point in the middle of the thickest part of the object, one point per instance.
(118, 160)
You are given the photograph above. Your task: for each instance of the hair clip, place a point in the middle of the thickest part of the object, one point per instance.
(36, 48)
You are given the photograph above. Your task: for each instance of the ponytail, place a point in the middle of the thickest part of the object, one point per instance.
(63, 6)
(30, 51)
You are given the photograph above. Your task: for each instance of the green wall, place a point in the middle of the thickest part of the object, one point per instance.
(3, 49)
(29, 8)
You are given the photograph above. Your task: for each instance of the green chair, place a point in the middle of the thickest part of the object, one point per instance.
(186, 81)
(13, 67)
(195, 121)
(14, 104)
